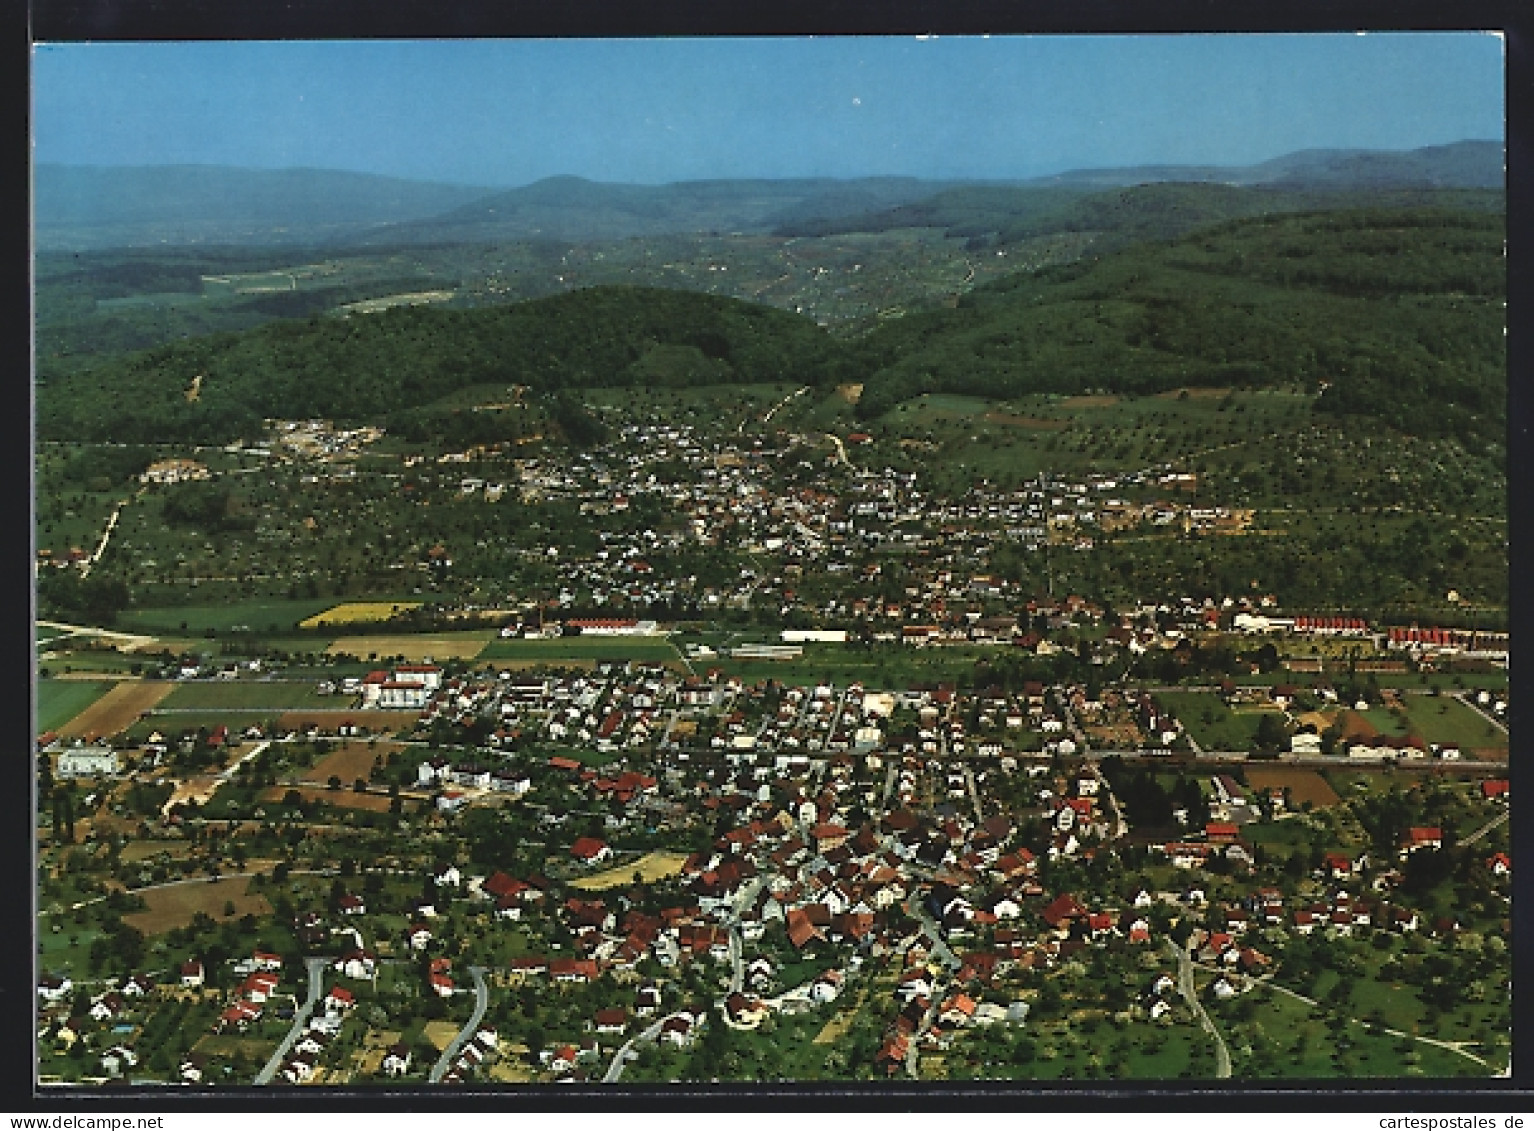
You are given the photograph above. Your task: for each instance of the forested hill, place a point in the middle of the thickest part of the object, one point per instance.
(999, 216)
(371, 368)
(1398, 314)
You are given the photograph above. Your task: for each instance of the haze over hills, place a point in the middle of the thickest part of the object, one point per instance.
(576, 209)
(80, 208)
(1461, 164)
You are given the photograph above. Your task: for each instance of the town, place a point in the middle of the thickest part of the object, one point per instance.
(773, 769)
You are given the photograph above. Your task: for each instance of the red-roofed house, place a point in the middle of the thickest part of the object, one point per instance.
(339, 998)
(590, 850)
(1431, 837)
(1062, 910)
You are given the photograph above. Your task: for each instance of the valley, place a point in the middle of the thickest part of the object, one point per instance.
(1043, 633)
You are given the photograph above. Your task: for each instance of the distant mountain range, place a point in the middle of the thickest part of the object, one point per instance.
(84, 207)
(79, 208)
(1462, 164)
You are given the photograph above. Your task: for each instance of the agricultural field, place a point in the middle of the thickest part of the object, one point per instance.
(342, 798)
(242, 695)
(60, 700)
(1284, 1037)
(1444, 720)
(374, 722)
(1015, 439)
(840, 664)
(358, 612)
(117, 709)
(415, 648)
(1378, 721)
(1303, 785)
(175, 905)
(350, 761)
(580, 648)
(139, 850)
(264, 616)
(1213, 725)
(651, 867)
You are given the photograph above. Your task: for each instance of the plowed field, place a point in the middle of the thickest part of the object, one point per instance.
(118, 709)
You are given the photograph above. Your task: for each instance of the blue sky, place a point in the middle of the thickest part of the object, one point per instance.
(508, 112)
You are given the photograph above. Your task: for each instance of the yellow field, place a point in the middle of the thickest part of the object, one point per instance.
(837, 1026)
(512, 1068)
(415, 647)
(358, 612)
(368, 1060)
(440, 1033)
(651, 867)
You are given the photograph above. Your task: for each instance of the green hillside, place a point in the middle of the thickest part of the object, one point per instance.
(371, 367)
(1005, 215)
(1398, 314)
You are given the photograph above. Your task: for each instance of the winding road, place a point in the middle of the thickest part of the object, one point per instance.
(626, 1053)
(1189, 994)
(470, 1027)
(316, 967)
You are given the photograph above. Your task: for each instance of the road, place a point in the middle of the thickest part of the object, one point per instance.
(1073, 726)
(471, 1026)
(974, 795)
(737, 961)
(1121, 826)
(1495, 822)
(316, 967)
(940, 947)
(1464, 697)
(132, 640)
(85, 567)
(1189, 994)
(771, 411)
(841, 449)
(626, 1052)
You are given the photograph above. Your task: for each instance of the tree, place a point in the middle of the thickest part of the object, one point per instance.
(1271, 735)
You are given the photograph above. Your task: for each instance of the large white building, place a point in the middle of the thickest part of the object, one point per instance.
(87, 762)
